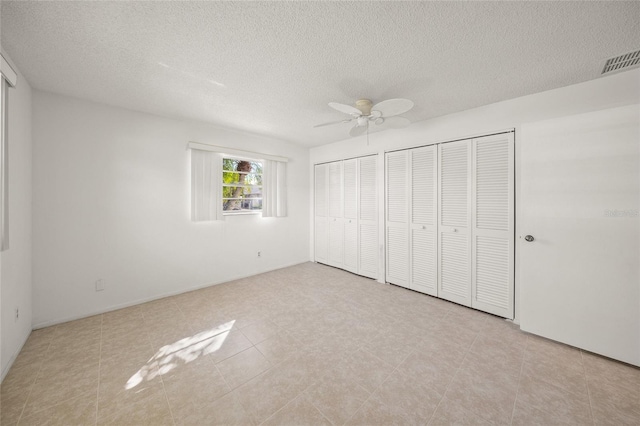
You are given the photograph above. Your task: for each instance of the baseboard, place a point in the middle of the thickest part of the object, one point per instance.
(13, 358)
(45, 324)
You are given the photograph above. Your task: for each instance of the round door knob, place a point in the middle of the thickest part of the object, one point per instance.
(529, 238)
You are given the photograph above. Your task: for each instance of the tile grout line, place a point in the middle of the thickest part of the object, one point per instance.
(99, 367)
(586, 379)
(454, 375)
(380, 385)
(515, 401)
(24, 407)
(164, 388)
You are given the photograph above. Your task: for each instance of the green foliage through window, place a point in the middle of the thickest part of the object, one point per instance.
(241, 185)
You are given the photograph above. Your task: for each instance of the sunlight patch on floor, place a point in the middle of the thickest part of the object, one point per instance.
(181, 352)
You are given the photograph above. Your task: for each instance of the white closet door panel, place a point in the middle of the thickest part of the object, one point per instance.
(368, 188)
(321, 224)
(454, 184)
(351, 245)
(335, 189)
(321, 239)
(321, 189)
(424, 234)
(368, 216)
(350, 179)
(423, 185)
(336, 242)
(398, 255)
(493, 230)
(424, 261)
(397, 226)
(493, 183)
(493, 276)
(455, 271)
(397, 168)
(368, 250)
(454, 222)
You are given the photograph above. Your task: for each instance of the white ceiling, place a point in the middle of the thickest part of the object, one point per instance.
(271, 67)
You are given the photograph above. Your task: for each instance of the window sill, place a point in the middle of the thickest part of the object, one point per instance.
(240, 213)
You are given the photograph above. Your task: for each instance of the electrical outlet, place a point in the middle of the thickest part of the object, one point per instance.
(100, 285)
(259, 254)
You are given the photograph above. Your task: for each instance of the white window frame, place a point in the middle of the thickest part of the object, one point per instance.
(8, 79)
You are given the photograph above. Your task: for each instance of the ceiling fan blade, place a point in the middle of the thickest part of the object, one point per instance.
(332, 122)
(396, 122)
(347, 109)
(357, 131)
(392, 107)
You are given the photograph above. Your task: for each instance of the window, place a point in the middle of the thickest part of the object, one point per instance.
(4, 163)
(241, 185)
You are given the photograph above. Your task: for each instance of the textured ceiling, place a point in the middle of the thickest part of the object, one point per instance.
(271, 67)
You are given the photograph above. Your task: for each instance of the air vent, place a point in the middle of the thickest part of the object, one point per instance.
(621, 62)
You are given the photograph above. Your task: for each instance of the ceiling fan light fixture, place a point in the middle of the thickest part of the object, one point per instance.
(385, 112)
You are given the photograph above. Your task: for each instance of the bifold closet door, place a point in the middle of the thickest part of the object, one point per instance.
(336, 215)
(424, 223)
(368, 216)
(454, 222)
(350, 187)
(397, 216)
(321, 234)
(493, 227)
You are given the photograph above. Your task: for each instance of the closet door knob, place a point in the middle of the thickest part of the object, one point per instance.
(529, 238)
(455, 230)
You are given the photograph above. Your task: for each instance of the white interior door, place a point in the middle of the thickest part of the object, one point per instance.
(493, 221)
(350, 185)
(424, 220)
(580, 186)
(454, 222)
(397, 216)
(368, 216)
(336, 215)
(321, 225)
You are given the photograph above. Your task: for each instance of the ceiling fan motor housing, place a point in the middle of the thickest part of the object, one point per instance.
(364, 105)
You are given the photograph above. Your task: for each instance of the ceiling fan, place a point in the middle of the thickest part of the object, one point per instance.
(385, 113)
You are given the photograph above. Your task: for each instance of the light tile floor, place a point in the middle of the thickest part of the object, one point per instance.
(309, 344)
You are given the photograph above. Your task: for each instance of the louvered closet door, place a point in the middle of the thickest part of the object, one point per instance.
(368, 216)
(397, 216)
(493, 233)
(350, 179)
(454, 222)
(336, 215)
(424, 224)
(321, 235)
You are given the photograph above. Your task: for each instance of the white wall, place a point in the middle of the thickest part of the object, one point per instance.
(15, 263)
(111, 201)
(607, 92)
